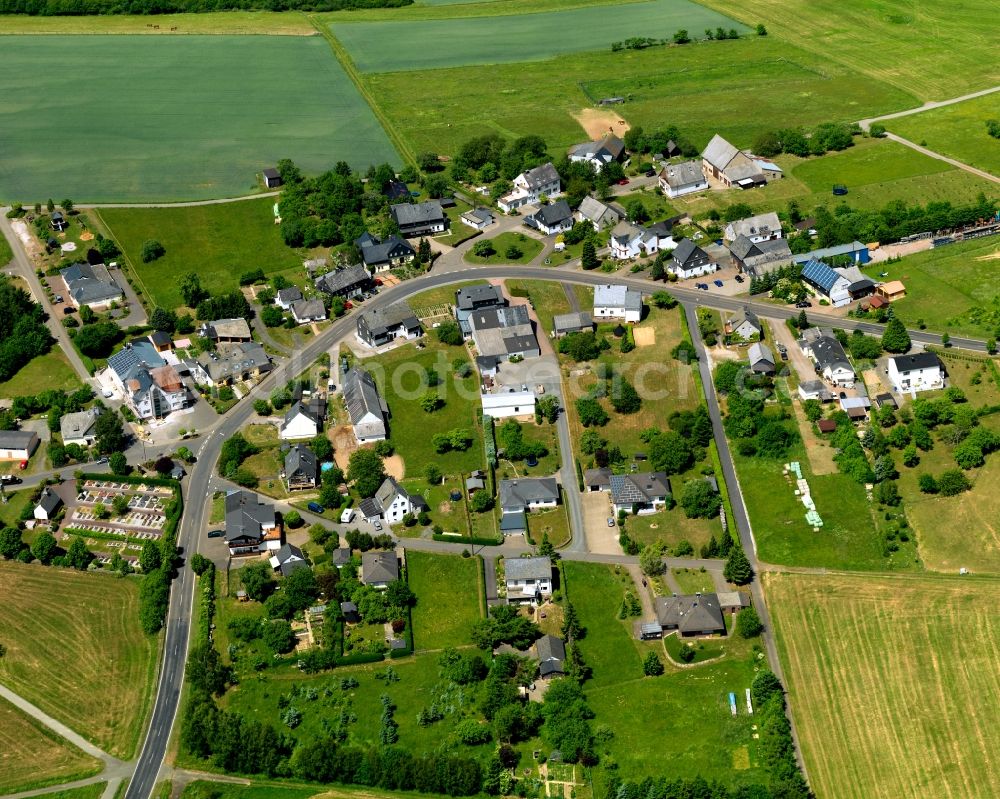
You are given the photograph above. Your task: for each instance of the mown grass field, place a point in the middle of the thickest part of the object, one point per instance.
(957, 130)
(391, 46)
(529, 247)
(702, 88)
(31, 756)
(94, 791)
(869, 162)
(933, 50)
(447, 589)
(218, 242)
(74, 648)
(51, 370)
(205, 115)
(953, 288)
(892, 682)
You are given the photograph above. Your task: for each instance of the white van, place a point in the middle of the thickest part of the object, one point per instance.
(347, 516)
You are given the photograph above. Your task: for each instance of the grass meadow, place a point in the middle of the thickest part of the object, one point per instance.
(222, 22)
(74, 648)
(94, 791)
(892, 682)
(931, 49)
(32, 756)
(448, 591)
(193, 117)
(529, 247)
(957, 130)
(952, 288)
(397, 46)
(219, 242)
(51, 370)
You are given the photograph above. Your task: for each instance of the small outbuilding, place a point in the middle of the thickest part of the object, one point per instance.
(272, 178)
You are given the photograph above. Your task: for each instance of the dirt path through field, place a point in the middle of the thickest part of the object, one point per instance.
(819, 452)
(598, 121)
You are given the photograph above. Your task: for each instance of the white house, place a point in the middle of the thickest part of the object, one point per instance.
(79, 428)
(527, 579)
(505, 404)
(676, 180)
(831, 361)
(689, 260)
(286, 296)
(617, 302)
(365, 406)
(598, 154)
(298, 423)
(390, 503)
(17, 445)
(641, 492)
(48, 505)
(598, 214)
(305, 311)
(530, 186)
(918, 371)
(744, 324)
(551, 219)
(763, 227)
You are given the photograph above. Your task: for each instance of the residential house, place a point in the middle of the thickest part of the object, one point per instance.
(161, 341)
(383, 255)
(48, 505)
(814, 389)
(504, 333)
(227, 330)
(730, 166)
(660, 235)
(760, 258)
(340, 557)
(365, 407)
(600, 215)
(617, 302)
(286, 296)
(272, 178)
(576, 322)
(91, 285)
(478, 218)
(476, 297)
(745, 325)
(247, 361)
(691, 615)
(891, 290)
(640, 492)
(299, 423)
(550, 652)
(689, 260)
(676, 180)
(378, 569)
(57, 221)
(391, 503)
(251, 525)
(598, 479)
(523, 495)
(530, 187)
(384, 325)
(855, 250)
(79, 427)
(839, 286)
(598, 154)
(288, 559)
(349, 611)
(509, 403)
(917, 371)
(349, 282)
(762, 227)
(306, 311)
(419, 219)
(831, 362)
(761, 359)
(150, 387)
(551, 219)
(528, 579)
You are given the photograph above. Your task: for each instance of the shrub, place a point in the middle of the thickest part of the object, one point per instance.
(152, 250)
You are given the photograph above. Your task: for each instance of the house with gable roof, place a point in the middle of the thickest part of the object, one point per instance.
(365, 406)
(419, 219)
(730, 166)
(530, 186)
(151, 388)
(617, 302)
(391, 503)
(552, 218)
(600, 215)
(598, 154)
(251, 525)
(689, 260)
(527, 579)
(640, 492)
(379, 568)
(383, 255)
(299, 422)
(762, 227)
(677, 180)
(690, 615)
(383, 325)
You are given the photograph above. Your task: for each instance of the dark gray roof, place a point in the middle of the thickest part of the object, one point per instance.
(536, 568)
(581, 320)
(348, 277)
(551, 653)
(469, 297)
(90, 283)
(159, 338)
(301, 460)
(691, 613)
(17, 439)
(290, 559)
(379, 567)
(49, 501)
(541, 176)
(518, 494)
(597, 477)
(492, 318)
(418, 213)
(683, 174)
(388, 491)
(828, 352)
(290, 294)
(916, 360)
(308, 309)
(340, 556)
(627, 489)
(554, 214)
(744, 315)
(686, 251)
(296, 409)
(247, 516)
(361, 396)
(376, 252)
(271, 172)
(389, 317)
(719, 152)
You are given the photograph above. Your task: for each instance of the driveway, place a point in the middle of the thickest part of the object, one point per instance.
(601, 539)
(797, 359)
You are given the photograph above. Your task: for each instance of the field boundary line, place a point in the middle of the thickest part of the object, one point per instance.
(60, 729)
(144, 299)
(345, 61)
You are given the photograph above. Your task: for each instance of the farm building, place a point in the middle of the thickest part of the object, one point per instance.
(730, 166)
(759, 258)
(577, 322)
(272, 178)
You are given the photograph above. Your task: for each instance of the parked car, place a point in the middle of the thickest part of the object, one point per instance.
(377, 525)
(9, 479)
(703, 286)
(102, 460)
(611, 521)
(69, 309)
(315, 507)
(22, 465)
(58, 299)
(739, 278)
(623, 182)
(215, 533)
(650, 173)
(718, 283)
(803, 304)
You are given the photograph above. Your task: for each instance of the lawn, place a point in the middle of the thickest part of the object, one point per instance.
(49, 371)
(206, 114)
(693, 581)
(438, 110)
(892, 682)
(219, 242)
(871, 162)
(401, 376)
(957, 130)
(448, 591)
(952, 288)
(548, 298)
(673, 526)
(396, 46)
(930, 49)
(74, 648)
(6, 253)
(529, 247)
(436, 299)
(94, 791)
(10, 511)
(32, 756)
(552, 523)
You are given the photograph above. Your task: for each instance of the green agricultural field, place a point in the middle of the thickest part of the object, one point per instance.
(700, 87)
(221, 22)
(401, 378)
(957, 130)
(32, 756)
(91, 668)
(448, 591)
(396, 46)
(193, 117)
(872, 161)
(892, 682)
(931, 49)
(51, 370)
(219, 242)
(952, 288)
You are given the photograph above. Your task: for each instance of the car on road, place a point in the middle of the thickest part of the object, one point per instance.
(623, 182)
(315, 507)
(702, 286)
(650, 173)
(377, 525)
(611, 521)
(739, 278)
(102, 460)
(803, 304)
(718, 283)
(9, 479)
(215, 533)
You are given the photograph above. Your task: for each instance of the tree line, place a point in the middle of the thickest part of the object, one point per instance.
(23, 334)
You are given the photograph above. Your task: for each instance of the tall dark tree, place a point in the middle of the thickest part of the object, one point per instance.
(737, 569)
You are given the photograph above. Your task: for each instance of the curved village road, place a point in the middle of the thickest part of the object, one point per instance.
(198, 493)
